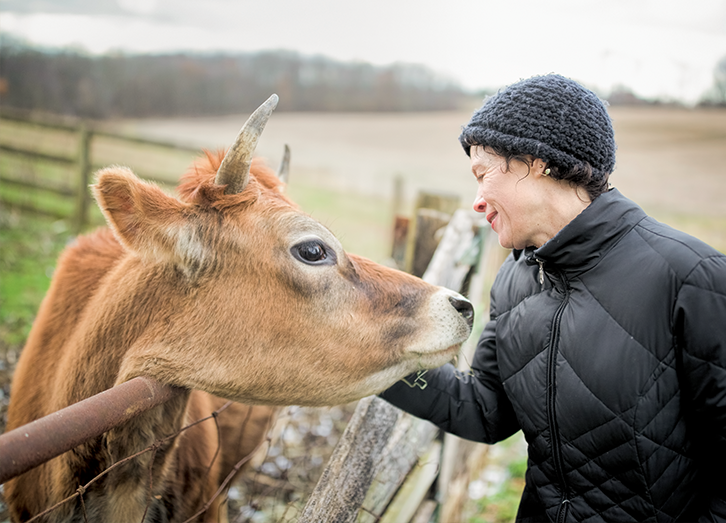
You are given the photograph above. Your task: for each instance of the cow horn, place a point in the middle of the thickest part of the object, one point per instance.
(234, 171)
(283, 173)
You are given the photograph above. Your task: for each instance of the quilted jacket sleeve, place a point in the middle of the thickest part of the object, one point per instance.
(470, 405)
(700, 325)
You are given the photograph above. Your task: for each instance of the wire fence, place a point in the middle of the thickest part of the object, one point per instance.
(271, 483)
(81, 490)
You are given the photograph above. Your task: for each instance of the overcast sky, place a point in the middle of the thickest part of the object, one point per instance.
(658, 48)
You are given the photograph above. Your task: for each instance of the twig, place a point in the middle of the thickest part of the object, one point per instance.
(227, 480)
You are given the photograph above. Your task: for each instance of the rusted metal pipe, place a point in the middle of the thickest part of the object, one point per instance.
(26, 447)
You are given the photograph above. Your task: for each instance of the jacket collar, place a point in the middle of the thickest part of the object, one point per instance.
(585, 240)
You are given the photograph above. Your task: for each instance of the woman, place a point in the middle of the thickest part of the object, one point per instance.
(606, 341)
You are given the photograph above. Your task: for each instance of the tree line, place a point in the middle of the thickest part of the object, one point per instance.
(119, 85)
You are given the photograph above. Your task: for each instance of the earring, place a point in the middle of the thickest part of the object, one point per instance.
(546, 172)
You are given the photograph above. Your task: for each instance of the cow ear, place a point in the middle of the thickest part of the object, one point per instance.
(144, 218)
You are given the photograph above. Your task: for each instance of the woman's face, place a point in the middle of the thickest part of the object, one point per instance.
(509, 198)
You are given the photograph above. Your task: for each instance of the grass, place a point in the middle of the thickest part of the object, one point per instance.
(710, 229)
(30, 246)
(494, 497)
(358, 221)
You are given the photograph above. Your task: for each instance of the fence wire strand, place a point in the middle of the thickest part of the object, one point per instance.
(80, 491)
(298, 444)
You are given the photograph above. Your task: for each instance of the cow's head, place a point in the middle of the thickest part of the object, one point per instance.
(251, 299)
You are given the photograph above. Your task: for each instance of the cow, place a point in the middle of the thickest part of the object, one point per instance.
(229, 292)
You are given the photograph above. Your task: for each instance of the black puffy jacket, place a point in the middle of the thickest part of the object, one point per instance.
(607, 348)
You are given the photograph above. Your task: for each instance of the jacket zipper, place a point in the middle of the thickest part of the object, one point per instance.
(552, 362)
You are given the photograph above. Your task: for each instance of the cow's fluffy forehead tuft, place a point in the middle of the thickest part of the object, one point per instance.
(197, 185)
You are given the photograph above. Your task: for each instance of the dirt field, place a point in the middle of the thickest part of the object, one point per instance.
(671, 161)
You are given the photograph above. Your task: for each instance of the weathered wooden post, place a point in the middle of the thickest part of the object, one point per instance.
(83, 197)
(462, 460)
(431, 213)
(400, 225)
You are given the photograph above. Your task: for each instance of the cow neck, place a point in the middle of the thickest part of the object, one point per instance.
(131, 306)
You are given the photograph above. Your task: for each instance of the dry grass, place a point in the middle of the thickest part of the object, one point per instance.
(670, 160)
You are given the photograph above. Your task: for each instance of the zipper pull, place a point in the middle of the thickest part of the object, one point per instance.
(541, 274)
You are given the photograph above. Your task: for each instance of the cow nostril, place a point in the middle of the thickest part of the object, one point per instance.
(464, 308)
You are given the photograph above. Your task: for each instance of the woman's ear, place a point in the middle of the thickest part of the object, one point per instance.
(539, 168)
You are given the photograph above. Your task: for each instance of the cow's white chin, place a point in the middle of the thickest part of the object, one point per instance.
(431, 360)
(414, 361)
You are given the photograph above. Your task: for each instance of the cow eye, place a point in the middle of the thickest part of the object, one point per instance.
(313, 252)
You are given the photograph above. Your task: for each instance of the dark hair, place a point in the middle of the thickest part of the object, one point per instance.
(579, 175)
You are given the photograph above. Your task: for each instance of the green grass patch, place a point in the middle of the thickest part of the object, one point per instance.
(362, 223)
(501, 502)
(30, 248)
(45, 201)
(15, 166)
(47, 140)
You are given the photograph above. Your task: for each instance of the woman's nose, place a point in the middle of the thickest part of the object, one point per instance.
(480, 205)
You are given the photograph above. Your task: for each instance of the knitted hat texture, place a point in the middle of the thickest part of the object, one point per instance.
(549, 117)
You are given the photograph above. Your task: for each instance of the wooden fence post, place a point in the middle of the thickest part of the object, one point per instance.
(84, 175)
(75, 194)
(432, 212)
(459, 457)
(400, 225)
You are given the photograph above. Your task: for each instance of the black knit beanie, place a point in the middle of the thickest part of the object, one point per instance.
(549, 117)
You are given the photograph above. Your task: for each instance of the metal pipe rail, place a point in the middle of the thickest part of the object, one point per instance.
(26, 447)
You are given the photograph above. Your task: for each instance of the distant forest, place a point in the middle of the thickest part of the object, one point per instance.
(72, 83)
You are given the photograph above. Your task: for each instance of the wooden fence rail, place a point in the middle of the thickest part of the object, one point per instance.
(82, 162)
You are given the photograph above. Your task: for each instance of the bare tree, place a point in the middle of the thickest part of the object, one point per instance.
(716, 95)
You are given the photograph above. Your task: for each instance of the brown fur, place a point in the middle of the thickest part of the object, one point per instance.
(202, 293)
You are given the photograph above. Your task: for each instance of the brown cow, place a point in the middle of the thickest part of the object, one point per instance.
(229, 292)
